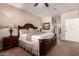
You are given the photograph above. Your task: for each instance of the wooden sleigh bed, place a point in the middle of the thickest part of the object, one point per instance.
(44, 44)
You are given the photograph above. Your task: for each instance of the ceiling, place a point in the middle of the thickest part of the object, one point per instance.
(41, 11)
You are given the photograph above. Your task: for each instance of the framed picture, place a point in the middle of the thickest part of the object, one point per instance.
(46, 26)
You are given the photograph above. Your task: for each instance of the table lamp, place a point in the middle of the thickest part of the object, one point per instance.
(11, 26)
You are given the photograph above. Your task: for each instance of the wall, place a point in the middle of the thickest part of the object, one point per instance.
(67, 15)
(11, 15)
(51, 20)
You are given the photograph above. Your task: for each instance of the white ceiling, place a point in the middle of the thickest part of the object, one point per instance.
(41, 11)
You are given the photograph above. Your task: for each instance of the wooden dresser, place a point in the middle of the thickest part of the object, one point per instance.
(9, 42)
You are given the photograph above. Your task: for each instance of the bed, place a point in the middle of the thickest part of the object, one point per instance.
(37, 43)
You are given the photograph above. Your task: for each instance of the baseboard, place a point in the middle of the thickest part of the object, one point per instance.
(70, 41)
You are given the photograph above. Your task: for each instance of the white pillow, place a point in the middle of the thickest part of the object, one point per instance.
(23, 31)
(31, 30)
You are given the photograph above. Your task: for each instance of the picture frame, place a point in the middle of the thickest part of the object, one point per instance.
(46, 26)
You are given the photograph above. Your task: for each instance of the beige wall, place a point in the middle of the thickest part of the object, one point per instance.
(67, 15)
(11, 15)
(48, 19)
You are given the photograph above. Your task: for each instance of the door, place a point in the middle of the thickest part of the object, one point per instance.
(72, 29)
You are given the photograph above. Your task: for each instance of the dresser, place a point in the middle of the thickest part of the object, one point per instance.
(9, 42)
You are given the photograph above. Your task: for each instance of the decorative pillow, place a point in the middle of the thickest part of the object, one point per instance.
(31, 30)
(37, 30)
(24, 31)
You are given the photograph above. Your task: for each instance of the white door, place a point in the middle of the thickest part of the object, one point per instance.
(72, 29)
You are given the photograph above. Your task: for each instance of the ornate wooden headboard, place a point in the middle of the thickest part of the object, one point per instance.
(26, 26)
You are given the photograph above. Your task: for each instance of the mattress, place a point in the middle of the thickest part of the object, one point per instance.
(30, 37)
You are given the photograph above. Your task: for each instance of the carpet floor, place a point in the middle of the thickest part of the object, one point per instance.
(16, 51)
(63, 48)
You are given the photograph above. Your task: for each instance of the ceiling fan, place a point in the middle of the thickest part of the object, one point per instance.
(46, 4)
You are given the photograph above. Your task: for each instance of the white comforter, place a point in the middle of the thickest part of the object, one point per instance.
(32, 40)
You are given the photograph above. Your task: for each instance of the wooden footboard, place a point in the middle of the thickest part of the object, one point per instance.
(46, 44)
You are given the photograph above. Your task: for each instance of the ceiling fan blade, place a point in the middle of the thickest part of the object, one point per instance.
(36, 4)
(46, 4)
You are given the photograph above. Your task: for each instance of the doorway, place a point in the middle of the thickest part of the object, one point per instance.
(72, 29)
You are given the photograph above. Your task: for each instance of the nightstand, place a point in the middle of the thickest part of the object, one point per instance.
(9, 42)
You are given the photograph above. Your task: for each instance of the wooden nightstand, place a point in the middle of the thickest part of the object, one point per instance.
(9, 42)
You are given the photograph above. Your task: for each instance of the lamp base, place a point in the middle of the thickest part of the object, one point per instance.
(10, 31)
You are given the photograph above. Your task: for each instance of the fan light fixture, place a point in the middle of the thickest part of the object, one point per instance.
(46, 4)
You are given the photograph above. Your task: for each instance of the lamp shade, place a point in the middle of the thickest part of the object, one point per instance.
(11, 25)
(40, 27)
